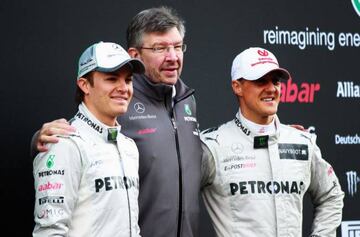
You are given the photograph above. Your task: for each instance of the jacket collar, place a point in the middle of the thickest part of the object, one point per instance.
(252, 135)
(86, 122)
(160, 91)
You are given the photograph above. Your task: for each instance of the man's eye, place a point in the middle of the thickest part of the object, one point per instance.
(159, 48)
(276, 81)
(178, 47)
(261, 81)
(129, 79)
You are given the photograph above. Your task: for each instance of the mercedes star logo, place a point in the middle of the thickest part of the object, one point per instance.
(139, 107)
(237, 148)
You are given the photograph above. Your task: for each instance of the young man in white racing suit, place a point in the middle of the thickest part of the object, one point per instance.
(255, 170)
(87, 184)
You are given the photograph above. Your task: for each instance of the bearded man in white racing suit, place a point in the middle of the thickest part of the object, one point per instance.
(255, 170)
(87, 184)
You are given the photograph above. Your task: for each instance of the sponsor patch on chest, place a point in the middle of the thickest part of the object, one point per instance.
(294, 151)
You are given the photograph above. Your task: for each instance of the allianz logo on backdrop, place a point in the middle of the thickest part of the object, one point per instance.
(347, 89)
(350, 228)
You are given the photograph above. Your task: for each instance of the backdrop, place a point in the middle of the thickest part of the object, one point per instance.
(317, 41)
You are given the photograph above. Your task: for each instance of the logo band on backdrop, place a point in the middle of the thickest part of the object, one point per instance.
(352, 180)
(350, 229)
(356, 5)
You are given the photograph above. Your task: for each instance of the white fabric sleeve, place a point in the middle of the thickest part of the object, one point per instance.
(326, 195)
(57, 175)
(208, 169)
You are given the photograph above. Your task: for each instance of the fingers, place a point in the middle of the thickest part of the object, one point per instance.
(59, 126)
(298, 127)
(43, 140)
(57, 129)
(48, 130)
(41, 147)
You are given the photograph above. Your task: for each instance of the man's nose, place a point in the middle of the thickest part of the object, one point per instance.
(270, 85)
(171, 53)
(121, 85)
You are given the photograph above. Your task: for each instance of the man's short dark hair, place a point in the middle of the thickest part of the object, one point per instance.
(79, 94)
(159, 19)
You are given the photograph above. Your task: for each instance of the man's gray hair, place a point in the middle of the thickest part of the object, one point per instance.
(158, 19)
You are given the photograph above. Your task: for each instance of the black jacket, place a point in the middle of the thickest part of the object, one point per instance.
(170, 157)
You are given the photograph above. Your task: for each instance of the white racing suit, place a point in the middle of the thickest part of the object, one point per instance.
(253, 186)
(87, 185)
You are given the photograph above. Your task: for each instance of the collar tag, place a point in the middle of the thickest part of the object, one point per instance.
(261, 142)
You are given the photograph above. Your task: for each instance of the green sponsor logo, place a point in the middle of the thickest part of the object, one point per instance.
(356, 4)
(187, 109)
(50, 161)
(262, 141)
(112, 134)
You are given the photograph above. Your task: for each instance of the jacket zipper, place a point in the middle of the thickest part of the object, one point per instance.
(127, 192)
(173, 121)
(180, 173)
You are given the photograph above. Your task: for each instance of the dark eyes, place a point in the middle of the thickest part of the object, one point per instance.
(163, 48)
(129, 79)
(114, 79)
(263, 81)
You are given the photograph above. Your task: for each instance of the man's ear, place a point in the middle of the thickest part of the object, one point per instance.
(83, 84)
(133, 52)
(237, 87)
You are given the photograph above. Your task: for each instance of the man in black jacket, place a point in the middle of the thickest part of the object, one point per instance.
(162, 120)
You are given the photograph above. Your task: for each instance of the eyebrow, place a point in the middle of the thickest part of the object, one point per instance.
(167, 43)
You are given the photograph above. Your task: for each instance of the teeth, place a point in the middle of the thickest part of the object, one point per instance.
(267, 99)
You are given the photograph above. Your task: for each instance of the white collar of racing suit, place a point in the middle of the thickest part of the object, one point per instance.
(87, 121)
